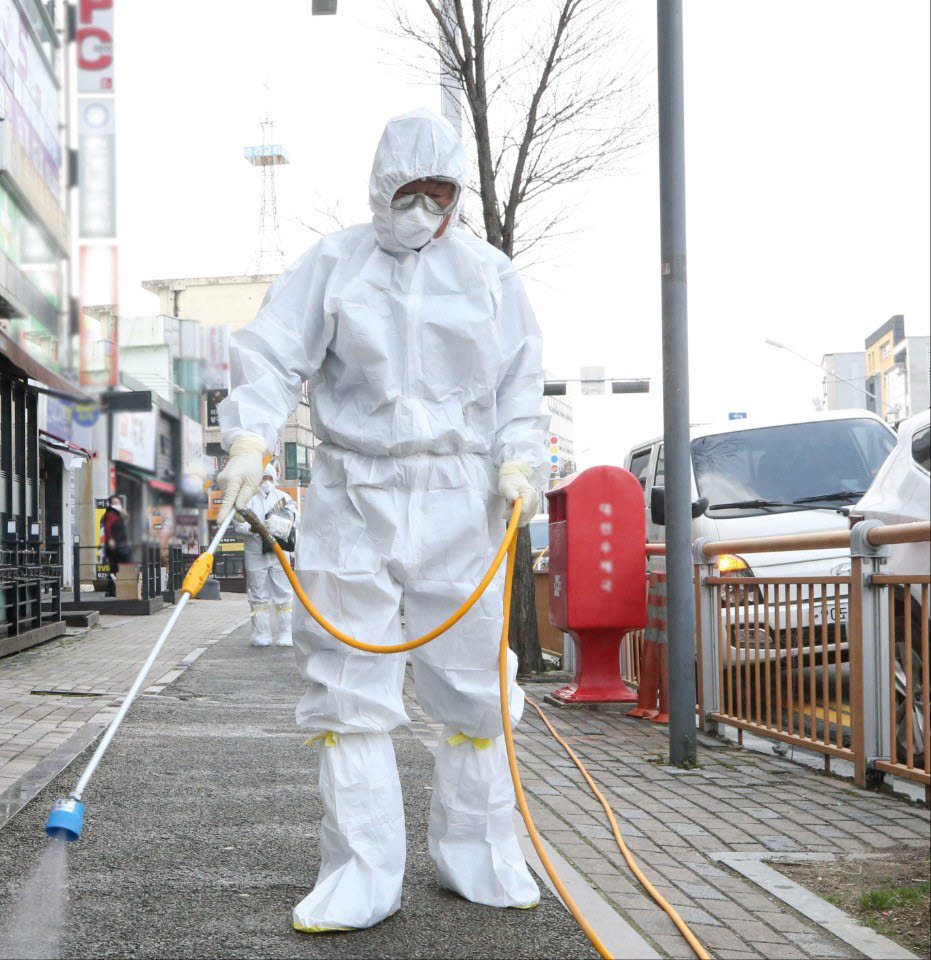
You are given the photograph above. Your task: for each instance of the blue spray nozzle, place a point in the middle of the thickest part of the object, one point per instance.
(66, 820)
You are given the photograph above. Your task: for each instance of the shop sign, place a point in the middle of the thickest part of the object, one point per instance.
(214, 398)
(97, 157)
(134, 439)
(94, 40)
(215, 350)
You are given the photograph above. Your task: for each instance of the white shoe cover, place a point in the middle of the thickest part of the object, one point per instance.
(471, 836)
(283, 618)
(261, 628)
(362, 842)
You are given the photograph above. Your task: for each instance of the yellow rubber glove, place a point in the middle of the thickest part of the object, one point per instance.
(513, 482)
(239, 481)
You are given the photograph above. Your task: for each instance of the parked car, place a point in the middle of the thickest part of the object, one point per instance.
(901, 493)
(763, 479)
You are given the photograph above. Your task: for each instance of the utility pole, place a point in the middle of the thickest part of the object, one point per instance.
(450, 94)
(680, 610)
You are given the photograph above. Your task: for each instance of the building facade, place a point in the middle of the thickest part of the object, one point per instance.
(907, 383)
(880, 346)
(844, 387)
(45, 422)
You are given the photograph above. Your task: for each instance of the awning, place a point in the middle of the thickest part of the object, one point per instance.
(161, 485)
(56, 443)
(22, 362)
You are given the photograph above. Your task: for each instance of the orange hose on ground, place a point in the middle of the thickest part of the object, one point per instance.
(515, 773)
(650, 889)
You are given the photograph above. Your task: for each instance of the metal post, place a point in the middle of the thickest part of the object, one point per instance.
(872, 664)
(76, 561)
(709, 620)
(450, 94)
(680, 610)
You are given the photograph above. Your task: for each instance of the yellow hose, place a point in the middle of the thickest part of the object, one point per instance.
(508, 548)
(650, 889)
(509, 536)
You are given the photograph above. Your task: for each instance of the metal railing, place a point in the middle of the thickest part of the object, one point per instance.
(772, 651)
(147, 557)
(30, 585)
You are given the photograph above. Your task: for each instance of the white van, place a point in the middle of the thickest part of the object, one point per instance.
(763, 479)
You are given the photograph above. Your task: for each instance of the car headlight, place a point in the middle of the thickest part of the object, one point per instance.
(730, 565)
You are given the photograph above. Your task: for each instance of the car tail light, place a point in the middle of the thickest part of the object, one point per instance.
(854, 518)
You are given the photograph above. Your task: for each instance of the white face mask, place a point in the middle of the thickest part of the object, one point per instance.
(266, 486)
(415, 227)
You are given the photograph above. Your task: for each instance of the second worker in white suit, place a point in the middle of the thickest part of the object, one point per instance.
(266, 582)
(423, 363)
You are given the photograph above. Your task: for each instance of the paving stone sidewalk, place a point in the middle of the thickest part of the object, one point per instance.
(50, 693)
(674, 822)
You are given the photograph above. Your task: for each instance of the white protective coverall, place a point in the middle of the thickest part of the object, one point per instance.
(424, 373)
(266, 582)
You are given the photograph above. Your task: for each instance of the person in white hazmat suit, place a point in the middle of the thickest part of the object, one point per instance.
(423, 362)
(266, 583)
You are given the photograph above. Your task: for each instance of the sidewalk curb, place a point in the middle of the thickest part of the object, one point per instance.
(15, 797)
(619, 937)
(810, 905)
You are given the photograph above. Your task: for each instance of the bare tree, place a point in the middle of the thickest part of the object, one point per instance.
(553, 97)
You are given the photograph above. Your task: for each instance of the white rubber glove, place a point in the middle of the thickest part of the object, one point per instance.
(240, 479)
(513, 482)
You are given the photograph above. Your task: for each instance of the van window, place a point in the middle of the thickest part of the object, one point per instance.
(788, 463)
(639, 462)
(921, 448)
(659, 474)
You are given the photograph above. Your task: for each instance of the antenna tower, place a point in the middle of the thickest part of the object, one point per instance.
(269, 255)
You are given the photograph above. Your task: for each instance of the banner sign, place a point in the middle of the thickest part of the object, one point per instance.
(94, 40)
(29, 98)
(97, 160)
(134, 439)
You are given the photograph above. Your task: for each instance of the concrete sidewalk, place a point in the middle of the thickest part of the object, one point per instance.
(201, 834)
(703, 837)
(67, 690)
(210, 775)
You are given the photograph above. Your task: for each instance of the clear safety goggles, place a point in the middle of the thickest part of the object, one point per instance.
(408, 200)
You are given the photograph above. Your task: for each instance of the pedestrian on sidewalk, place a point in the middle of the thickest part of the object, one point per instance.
(266, 582)
(116, 548)
(423, 363)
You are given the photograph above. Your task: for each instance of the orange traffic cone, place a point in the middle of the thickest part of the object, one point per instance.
(649, 679)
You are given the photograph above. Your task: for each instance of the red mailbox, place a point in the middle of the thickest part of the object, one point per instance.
(597, 577)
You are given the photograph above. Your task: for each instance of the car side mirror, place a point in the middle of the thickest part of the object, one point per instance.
(658, 506)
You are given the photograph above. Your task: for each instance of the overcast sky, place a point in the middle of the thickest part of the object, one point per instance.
(807, 144)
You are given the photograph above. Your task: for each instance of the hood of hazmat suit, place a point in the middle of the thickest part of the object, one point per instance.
(423, 368)
(414, 146)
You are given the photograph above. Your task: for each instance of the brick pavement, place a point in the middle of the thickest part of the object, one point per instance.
(50, 692)
(674, 820)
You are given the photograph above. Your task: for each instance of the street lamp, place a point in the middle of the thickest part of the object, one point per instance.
(801, 356)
